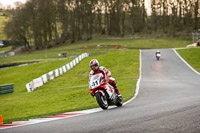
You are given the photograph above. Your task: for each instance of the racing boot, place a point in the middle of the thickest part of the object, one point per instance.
(118, 94)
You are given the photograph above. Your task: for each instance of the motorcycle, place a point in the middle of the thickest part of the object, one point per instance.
(103, 92)
(158, 56)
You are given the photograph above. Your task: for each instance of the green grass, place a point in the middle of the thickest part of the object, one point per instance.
(6, 48)
(96, 47)
(56, 96)
(25, 74)
(192, 56)
(147, 43)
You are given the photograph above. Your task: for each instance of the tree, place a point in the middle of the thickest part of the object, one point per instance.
(17, 28)
(63, 16)
(196, 20)
(44, 23)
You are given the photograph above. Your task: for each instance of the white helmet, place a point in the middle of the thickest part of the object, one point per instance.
(94, 64)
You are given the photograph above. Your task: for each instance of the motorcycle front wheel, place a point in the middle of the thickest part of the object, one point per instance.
(102, 101)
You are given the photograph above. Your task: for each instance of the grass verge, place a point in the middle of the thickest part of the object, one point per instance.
(192, 56)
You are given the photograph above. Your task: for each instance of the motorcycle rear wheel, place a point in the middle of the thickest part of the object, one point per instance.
(102, 101)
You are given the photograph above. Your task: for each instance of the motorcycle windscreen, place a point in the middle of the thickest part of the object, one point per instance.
(95, 80)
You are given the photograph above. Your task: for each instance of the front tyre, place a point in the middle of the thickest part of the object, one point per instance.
(102, 101)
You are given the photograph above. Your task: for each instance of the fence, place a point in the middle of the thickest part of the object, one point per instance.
(36, 83)
(8, 88)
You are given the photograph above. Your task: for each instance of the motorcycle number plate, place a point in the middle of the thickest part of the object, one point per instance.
(94, 84)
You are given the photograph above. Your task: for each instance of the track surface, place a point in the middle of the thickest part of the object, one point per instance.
(168, 101)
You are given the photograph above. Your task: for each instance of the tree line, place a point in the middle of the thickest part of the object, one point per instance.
(44, 23)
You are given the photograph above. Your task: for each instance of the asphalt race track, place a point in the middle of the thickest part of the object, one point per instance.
(168, 102)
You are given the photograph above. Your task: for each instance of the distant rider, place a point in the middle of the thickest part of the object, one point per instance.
(96, 69)
(157, 52)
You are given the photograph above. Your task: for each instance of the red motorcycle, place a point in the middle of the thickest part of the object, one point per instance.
(105, 93)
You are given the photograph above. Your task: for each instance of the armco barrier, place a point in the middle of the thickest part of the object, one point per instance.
(44, 78)
(36, 83)
(7, 88)
(56, 73)
(64, 69)
(68, 67)
(51, 75)
(60, 71)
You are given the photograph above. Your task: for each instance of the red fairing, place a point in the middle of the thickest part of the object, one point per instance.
(92, 91)
(102, 92)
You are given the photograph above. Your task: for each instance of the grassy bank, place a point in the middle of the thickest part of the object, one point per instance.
(96, 47)
(192, 56)
(57, 96)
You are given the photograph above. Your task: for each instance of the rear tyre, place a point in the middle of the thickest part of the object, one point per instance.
(102, 101)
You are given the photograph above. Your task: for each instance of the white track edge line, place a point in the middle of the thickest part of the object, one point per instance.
(138, 82)
(186, 62)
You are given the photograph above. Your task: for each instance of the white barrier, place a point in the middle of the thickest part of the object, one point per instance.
(29, 87)
(64, 69)
(77, 61)
(51, 75)
(80, 58)
(33, 85)
(44, 78)
(71, 65)
(74, 63)
(56, 73)
(192, 45)
(36, 83)
(68, 66)
(61, 71)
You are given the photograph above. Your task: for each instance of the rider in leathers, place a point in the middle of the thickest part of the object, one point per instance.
(95, 69)
(157, 52)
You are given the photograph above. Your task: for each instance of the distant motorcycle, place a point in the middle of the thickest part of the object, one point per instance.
(158, 56)
(103, 92)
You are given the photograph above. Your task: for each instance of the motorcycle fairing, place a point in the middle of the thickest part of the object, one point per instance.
(97, 88)
(101, 91)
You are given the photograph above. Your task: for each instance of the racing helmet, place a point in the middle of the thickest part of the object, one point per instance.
(94, 64)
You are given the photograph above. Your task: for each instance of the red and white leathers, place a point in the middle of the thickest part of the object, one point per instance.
(106, 76)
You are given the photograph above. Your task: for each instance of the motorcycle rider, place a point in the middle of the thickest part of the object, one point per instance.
(157, 52)
(96, 69)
